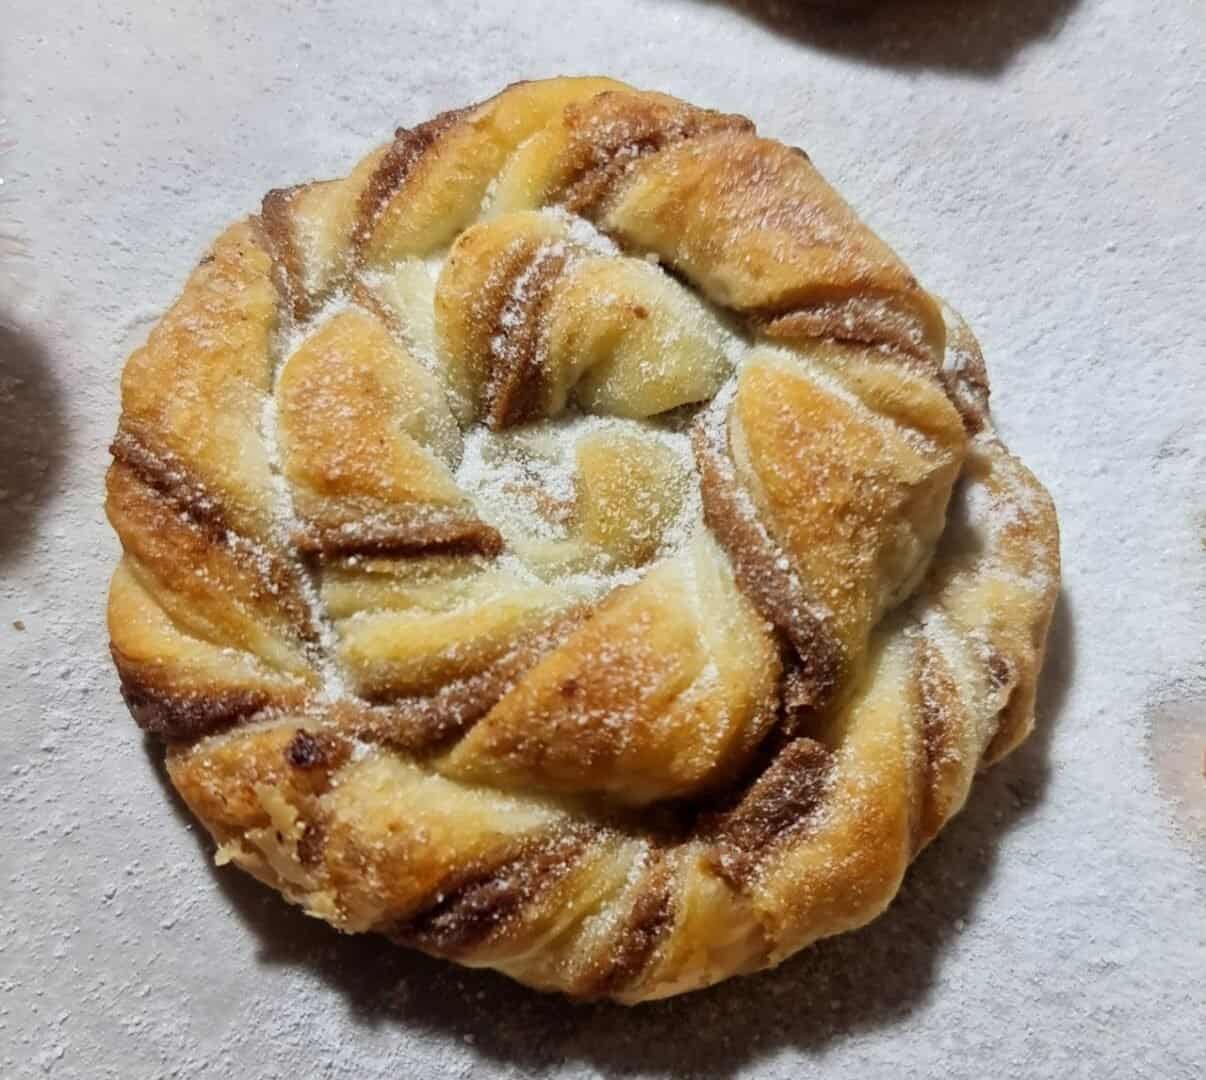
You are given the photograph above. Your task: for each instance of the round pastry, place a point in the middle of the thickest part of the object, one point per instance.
(573, 544)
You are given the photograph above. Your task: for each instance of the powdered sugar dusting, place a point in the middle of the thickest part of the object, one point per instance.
(287, 524)
(582, 233)
(524, 483)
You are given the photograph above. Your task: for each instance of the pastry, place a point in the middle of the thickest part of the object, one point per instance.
(573, 544)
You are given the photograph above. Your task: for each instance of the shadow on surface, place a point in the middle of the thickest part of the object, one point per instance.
(979, 37)
(33, 436)
(868, 979)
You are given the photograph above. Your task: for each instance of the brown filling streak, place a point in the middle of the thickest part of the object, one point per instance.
(935, 693)
(485, 902)
(516, 383)
(425, 725)
(453, 535)
(277, 231)
(614, 130)
(777, 805)
(769, 588)
(180, 494)
(409, 147)
(905, 329)
(178, 717)
(637, 939)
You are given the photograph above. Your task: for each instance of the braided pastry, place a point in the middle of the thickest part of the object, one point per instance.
(573, 544)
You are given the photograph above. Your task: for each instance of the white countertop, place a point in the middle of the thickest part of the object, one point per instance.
(1038, 162)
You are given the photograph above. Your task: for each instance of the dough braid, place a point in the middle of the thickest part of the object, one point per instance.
(573, 544)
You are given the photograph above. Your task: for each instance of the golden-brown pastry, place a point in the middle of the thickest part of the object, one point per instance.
(573, 544)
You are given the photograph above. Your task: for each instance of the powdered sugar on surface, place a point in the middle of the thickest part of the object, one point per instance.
(1038, 164)
(518, 478)
(331, 684)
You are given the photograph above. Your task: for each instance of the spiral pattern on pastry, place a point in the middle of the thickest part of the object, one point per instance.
(573, 544)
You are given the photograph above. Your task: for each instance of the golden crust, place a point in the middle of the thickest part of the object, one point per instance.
(753, 225)
(366, 440)
(527, 317)
(180, 686)
(573, 544)
(423, 195)
(638, 704)
(194, 393)
(854, 502)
